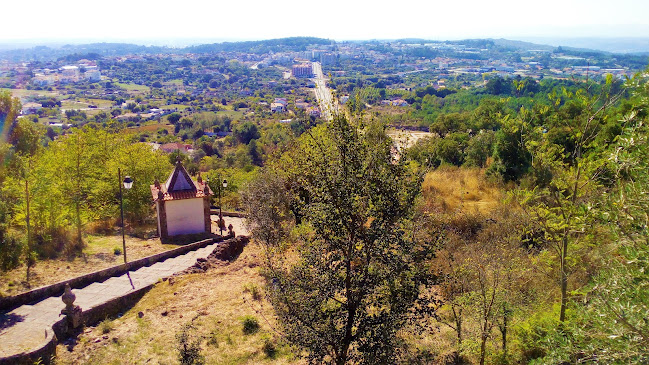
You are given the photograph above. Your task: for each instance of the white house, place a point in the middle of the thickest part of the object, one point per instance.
(277, 107)
(93, 75)
(182, 204)
(31, 108)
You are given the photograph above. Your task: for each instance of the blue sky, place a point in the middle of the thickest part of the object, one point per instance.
(335, 19)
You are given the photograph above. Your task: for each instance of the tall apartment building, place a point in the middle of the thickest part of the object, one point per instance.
(303, 70)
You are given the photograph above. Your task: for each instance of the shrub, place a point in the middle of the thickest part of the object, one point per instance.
(250, 325)
(189, 346)
(531, 335)
(106, 326)
(117, 251)
(52, 242)
(11, 248)
(212, 339)
(253, 290)
(269, 348)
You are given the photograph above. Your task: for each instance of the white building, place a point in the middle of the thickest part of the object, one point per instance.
(277, 108)
(93, 75)
(182, 204)
(43, 80)
(31, 108)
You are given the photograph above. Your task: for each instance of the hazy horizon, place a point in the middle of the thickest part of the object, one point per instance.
(636, 44)
(74, 21)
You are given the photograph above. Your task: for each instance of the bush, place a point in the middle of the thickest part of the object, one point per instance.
(106, 326)
(189, 346)
(253, 290)
(11, 248)
(269, 348)
(117, 251)
(52, 242)
(531, 335)
(212, 339)
(250, 325)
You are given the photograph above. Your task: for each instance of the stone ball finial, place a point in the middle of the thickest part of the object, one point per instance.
(71, 311)
(68, 297)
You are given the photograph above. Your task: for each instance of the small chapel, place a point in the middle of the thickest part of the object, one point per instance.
(182, 204)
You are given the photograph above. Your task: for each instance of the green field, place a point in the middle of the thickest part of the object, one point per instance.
(21, 93)
(134, 87)
(176, 106)
(72, 104)
(177, 82)
(100, 103)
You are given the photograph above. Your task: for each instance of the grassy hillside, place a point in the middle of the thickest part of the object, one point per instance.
(449, 189)
(216, 304)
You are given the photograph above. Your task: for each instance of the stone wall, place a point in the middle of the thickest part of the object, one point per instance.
(38, 294)
(229, 250)
(43, 352)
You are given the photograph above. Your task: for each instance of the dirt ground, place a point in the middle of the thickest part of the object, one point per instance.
(211, 306)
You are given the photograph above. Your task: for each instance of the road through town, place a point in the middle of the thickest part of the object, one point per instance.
(322, 92)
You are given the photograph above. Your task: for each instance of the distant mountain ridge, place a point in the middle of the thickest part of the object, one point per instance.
(49, 53)
(264, 46)
(45, 53)
(637, 45)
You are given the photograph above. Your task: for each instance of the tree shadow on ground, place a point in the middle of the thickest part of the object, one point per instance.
(9, 319)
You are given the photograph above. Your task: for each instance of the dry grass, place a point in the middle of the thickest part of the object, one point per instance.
(153, 127)
(406, 139)
(215, 302)
(99, 254)
(451, 189)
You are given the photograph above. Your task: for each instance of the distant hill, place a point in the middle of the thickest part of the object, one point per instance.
(17, 52)
(639, 45)
(527, 46)
(49, 53)
(265, 46)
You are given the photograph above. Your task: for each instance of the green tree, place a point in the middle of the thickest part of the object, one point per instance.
(245, 132)
(610, 323)
(11, 246)
(9, 109)
(479, 149)
(349, 277)
(173, 118)
(570, 174)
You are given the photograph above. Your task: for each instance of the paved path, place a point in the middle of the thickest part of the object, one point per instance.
(24, 327)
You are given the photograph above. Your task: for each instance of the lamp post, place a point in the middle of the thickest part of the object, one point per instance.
(128, 183)
(221, 224)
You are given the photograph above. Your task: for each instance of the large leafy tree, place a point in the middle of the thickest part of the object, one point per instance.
(10, 246)
(343, 273)
(570, 171)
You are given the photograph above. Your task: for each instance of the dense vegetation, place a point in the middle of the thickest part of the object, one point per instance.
(541, 278)
(51, 190)
(515, 232)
